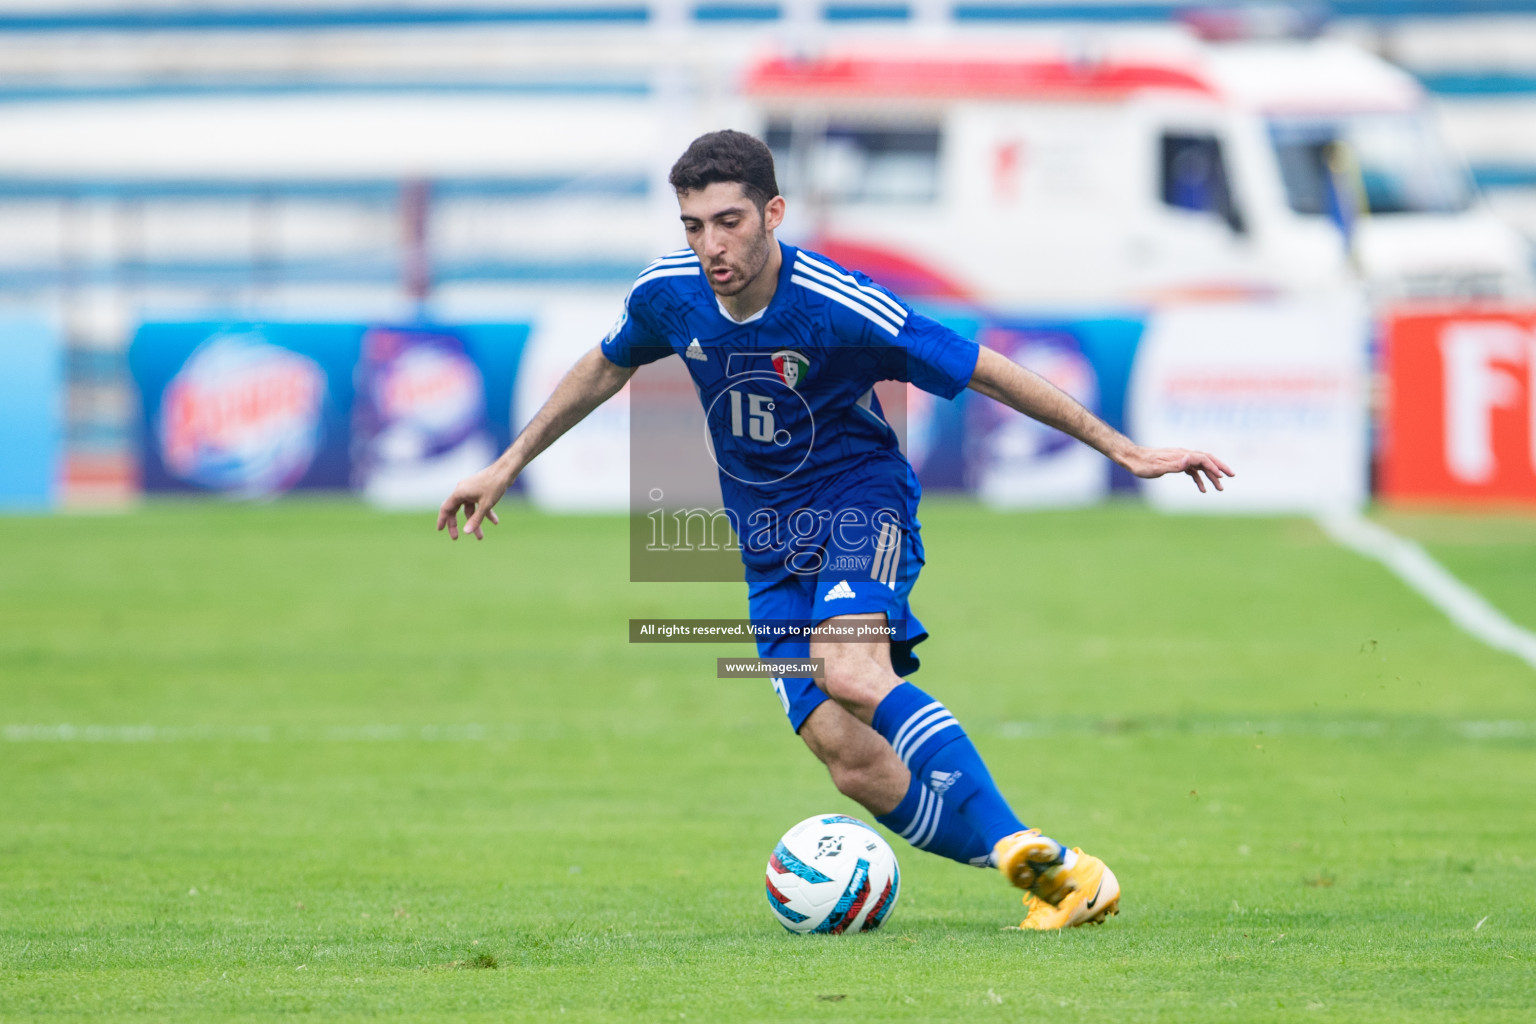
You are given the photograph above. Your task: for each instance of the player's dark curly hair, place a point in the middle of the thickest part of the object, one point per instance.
(727, 156)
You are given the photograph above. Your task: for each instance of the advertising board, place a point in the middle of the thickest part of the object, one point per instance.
(1460, 424)
(1277, 389)
(432, 406)
(1012, 461)
(256, 409)
(587, 469)
(31, 412)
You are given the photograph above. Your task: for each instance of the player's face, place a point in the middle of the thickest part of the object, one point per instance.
(731, 237)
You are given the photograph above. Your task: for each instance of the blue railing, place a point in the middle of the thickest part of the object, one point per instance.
(245, 272)
(372, 191)
(308, 18)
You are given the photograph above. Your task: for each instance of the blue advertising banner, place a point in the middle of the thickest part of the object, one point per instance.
(977, 445)
(247, 409)
(256, 409)
(31, 412)
(1090, 358)
(1013, 460)
(433, 405)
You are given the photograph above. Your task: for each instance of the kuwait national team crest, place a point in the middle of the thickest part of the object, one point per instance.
(791, 366)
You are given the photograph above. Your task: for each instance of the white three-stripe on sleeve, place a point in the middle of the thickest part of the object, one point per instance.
(674, 264)
(873, 296)
(843, 298)
(665, 272)
(672, 259)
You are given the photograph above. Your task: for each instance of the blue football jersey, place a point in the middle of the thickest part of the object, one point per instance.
(789, 395)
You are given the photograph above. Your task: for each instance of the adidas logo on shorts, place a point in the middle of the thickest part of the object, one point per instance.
(841, 590)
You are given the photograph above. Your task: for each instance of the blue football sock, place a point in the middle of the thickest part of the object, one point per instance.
(929, 822)
(937, 751)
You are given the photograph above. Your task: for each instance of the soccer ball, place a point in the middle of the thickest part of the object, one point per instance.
(832, 874)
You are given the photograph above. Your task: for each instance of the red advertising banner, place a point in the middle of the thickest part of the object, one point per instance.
(1461, 407)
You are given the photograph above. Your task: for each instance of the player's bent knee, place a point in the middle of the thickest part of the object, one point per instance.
(852, 782)
(857, 781)
(857, 682)
(844, 683)
(862, 765)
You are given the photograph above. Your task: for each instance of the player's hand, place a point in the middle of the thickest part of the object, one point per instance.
(1150, 463)
(477, 495)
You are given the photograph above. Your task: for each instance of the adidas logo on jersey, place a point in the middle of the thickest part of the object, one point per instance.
(940, 782)
(696, 351)
(841, 590)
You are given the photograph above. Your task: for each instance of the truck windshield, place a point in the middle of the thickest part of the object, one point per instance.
(851, 162)
(1398, 160)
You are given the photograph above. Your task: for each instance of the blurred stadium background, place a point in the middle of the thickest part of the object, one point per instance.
(343, 250)
(1095, 188)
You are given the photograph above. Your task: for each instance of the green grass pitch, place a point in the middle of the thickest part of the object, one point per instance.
(311, 760)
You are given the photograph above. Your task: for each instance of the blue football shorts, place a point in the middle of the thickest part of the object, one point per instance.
(859, 571)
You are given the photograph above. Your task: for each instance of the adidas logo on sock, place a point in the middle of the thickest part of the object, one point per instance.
(696, 351)
(940, 782)
(841, 590)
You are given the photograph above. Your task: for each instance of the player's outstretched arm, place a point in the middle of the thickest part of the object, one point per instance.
(590, 383)
(1006, 381)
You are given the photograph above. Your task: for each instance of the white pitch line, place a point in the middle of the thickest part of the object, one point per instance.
(1414, 566)
(1301, 726)
(140, 733)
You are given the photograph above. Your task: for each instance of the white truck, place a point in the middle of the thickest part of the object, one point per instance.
(1069, 169)
(1024, 169)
